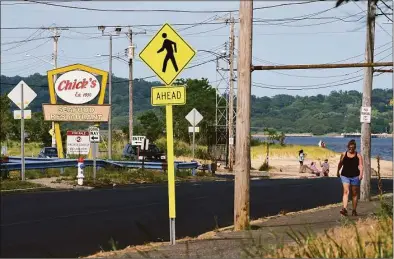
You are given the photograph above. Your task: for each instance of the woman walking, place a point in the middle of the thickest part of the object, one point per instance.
(351, 175)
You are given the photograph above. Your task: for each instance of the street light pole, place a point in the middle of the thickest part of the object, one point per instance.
(117, 30)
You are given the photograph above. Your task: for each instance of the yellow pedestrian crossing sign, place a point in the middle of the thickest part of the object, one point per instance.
(167, 54)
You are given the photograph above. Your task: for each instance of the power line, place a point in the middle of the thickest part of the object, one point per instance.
(312, 88)
(365, 11)
(36, 47)
(23, 41)
(384, 13)
(168, 10)
(174, 24)
(389, 7)
(340, 75)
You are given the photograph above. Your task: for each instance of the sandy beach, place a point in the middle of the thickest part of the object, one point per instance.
(289, 166)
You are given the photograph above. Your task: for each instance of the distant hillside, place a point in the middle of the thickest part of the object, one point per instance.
(337, 112)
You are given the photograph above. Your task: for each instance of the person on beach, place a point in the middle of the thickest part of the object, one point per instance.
(301, 157)
(325, 167)
(314, 169)
(352, 173)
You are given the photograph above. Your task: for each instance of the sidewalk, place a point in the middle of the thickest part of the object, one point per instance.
(227, 244)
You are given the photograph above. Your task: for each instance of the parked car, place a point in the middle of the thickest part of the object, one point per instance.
(48, 152)
(152, 154)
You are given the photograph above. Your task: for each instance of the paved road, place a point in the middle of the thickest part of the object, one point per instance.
(78, 223)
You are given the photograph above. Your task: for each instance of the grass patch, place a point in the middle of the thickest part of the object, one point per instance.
(290, 151)
(11, 184)
(366, 238)
(265, 167)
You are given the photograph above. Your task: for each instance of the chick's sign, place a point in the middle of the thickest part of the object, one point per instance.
(79, 86)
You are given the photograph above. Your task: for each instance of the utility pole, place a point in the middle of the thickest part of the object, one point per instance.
(54, 57)
(231, 98)
(131, 56)
(365, 193)
(242, 165)
(110, 100)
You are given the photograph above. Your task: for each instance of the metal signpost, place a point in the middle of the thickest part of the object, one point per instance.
(167, 54)
(194, 117)
(94, 137)
(22, 95)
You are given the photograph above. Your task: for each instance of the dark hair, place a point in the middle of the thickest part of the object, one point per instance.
(352, 142)
(301, 151)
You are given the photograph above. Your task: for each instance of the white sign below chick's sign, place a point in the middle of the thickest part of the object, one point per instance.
(94, 134)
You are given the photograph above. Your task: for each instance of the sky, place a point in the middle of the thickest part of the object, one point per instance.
(281, 35)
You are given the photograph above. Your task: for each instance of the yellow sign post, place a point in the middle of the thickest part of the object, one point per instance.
(167, 54)
(175, 95)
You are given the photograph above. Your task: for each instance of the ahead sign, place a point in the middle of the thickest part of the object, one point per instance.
(94, 134)
(175, 95)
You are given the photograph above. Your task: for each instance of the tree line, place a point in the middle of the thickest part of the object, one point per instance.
(321, 114)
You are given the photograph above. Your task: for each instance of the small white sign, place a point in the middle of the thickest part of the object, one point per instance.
(137, 140)
(365, 116)
(77, 87)
(231, 141)
(145, 144)
(78, 142)
(4, 150)
(197, 129)
(18, 114)
(94, 134)
(16, 95)
(194, 117)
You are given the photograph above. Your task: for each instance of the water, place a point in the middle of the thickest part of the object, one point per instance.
(380, 146)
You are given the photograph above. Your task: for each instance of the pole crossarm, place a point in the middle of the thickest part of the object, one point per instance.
(322, 66)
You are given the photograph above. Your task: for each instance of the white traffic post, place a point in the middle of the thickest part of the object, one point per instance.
(80, 175)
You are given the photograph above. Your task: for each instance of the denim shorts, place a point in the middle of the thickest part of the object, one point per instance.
(351, 180)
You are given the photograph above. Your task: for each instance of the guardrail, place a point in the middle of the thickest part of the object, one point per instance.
(14, 164)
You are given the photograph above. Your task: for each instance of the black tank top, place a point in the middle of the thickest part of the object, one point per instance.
(350, 166)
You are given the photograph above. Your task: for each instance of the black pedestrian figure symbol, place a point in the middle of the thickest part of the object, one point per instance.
(167, 45)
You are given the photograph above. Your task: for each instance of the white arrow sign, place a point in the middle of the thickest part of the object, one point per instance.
(16, 95)
(94, 134)
(194, 117)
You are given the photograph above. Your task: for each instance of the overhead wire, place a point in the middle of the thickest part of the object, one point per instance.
(388, 17)
(365, 11)
(21, 43)
(36, 47)
(338, 75)
(168, 10)
(313, 87)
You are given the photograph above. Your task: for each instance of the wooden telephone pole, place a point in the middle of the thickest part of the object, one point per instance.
(130, 56)
(242, 163)
(365, 193)
(231, 98)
